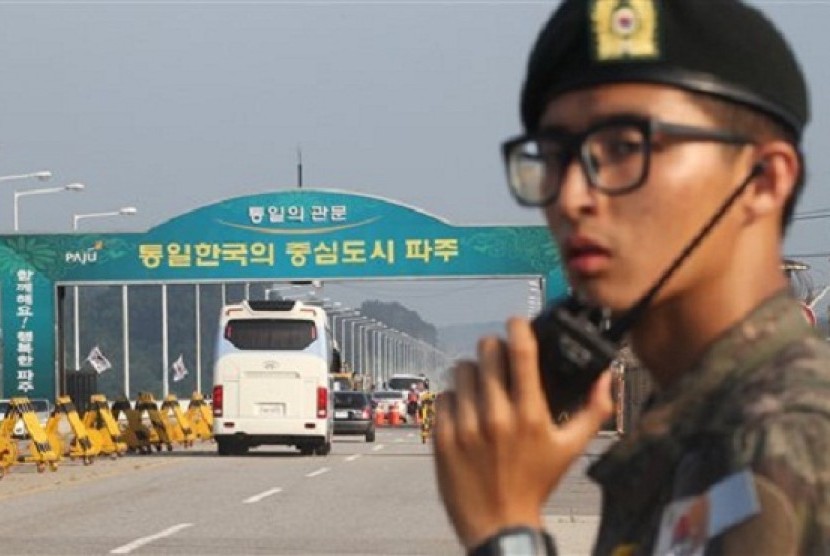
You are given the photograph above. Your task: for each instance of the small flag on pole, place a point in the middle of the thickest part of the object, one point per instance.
(179, 370)
(98, 361)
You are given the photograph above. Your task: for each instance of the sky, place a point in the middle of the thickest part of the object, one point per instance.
(168, 106)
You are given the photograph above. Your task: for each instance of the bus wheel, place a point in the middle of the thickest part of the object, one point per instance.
(224, 447)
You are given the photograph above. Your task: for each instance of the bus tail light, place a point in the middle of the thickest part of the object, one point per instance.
(322, 402)
(217, 400)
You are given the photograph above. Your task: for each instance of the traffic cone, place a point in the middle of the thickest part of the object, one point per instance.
(394, 416)
(380, 417)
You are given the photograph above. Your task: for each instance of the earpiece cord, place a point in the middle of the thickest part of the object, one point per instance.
(621, 326)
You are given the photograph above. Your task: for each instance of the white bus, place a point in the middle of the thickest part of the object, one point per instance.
(271, 377)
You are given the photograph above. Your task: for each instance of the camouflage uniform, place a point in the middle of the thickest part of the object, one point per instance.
(759, 399)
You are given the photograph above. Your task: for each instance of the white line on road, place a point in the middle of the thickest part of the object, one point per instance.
(319, 472)
(257, 497)
(138, 543)
(353, 457)
(378, 447)
(399, 440)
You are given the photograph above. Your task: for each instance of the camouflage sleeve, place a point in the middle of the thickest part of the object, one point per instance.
(789, 453)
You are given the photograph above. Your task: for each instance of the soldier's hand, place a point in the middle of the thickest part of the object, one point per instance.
(498, 453)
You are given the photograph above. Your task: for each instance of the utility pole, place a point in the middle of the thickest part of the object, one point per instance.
(299, 167)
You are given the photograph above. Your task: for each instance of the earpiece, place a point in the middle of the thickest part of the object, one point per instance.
(758, 168)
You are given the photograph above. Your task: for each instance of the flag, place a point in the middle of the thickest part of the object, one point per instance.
(98, 361)
(179, 370)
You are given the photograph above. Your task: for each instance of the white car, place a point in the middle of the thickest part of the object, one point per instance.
(385, 399)
(43, 410)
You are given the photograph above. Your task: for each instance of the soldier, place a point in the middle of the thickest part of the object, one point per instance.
(649, 123)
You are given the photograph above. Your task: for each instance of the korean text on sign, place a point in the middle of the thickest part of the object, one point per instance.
(184, 255)
(25, 339)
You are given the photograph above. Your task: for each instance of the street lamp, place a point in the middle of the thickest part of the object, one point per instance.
(42, 176)
(123, 211)
(76, 304)
(43, 191)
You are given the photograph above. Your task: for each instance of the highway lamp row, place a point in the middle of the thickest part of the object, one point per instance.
(46, 175)
(374, 347)
(76, 187)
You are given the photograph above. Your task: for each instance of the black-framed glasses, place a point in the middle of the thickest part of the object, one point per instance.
(614, 155)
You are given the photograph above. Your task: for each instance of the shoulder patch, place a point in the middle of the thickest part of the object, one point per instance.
(689, 523)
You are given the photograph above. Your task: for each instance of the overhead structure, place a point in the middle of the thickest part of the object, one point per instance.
(290, 235)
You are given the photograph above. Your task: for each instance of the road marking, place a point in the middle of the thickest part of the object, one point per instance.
(319, 472)
(257, 497)
(138, 543)
(410, 435)
(399, 440)
(353, 457)
(378, 447)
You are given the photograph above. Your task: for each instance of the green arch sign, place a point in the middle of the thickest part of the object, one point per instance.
(299, 234)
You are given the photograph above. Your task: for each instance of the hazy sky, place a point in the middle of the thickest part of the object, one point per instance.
(173, 105)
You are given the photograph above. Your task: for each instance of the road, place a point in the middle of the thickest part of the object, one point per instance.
(363, 498)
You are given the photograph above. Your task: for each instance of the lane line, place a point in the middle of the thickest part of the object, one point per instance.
(378, 447)
(353, 457)
(319, 472)
(399, 440)
(138, 543)
(257, 497)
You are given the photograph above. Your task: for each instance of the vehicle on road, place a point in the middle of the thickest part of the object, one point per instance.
(354, 414)
(271, 377)
(386, 399)
(405, 382)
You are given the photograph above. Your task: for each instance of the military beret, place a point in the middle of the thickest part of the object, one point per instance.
(719, 47)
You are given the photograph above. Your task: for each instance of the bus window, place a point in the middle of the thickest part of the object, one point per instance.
(270, 334)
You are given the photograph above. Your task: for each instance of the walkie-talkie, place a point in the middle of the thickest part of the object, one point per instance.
(573, 352)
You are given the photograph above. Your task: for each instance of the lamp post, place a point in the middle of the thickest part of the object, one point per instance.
(345, 316)
(43, 191)
(76, 304)
(123, 211)
(355, 350)
(342, 314)
(376, 344)
(42, 176)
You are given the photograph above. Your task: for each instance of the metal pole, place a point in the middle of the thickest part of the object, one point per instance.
(364, 350)
(198, 302)
(60, 379)
(351, 344)
(16, 212)
(333, 317)
(76, 320)
(224, 294)
(378, 369)
(164, 342)
(125, 330)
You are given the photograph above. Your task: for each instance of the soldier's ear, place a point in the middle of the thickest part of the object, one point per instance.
(774, 176)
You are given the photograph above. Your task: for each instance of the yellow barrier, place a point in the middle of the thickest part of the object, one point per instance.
(201, 417)
(81, 446)
(103, 428)
(40, 451)
(138, 436)
(160, 432)
(178, 425)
